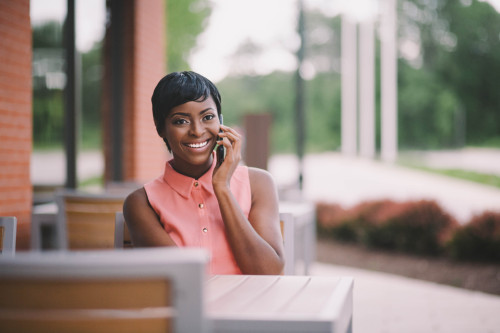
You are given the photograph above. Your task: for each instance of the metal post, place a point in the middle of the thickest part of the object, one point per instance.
(117, 19)
(71, 97)
(389, 144)
(299, 93)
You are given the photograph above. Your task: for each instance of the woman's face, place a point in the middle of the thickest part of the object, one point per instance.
(191, 131)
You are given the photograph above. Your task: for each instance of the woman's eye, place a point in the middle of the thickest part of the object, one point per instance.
(209, 117)
(180, 121)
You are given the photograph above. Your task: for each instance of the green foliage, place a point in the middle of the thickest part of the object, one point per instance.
(414, 227)
(91, 98)
(47, 35)
(478, 240)
(418, 227)
(475, 65)
(323, 112)
(481, 178)
(427, 110)
(48, 104)
(257, 94)
(47, 118)
(448, 96)
(186, 19)
(274, 93)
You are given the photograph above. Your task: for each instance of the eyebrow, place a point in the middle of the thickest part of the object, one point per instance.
(188, 114)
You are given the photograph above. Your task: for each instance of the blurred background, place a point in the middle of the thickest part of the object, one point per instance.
(418, 93)
(448, 59)
(383, 115)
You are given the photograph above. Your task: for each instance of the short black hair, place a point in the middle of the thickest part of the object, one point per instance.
(178, 88)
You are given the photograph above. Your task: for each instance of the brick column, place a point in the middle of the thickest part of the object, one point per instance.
(16, 115)
(144, 64)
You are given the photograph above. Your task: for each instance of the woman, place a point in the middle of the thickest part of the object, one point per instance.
(229, 209)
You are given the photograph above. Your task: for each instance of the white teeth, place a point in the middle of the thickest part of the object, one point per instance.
(197, 145)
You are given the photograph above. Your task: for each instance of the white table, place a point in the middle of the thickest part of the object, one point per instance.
(312, 304)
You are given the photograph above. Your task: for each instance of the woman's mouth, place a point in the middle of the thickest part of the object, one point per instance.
(197, 145)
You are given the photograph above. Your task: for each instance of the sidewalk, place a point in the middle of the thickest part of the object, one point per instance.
(333, 177)
(385, 303)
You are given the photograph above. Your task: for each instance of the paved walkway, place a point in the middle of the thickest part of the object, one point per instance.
(385, 303)
(347, 181)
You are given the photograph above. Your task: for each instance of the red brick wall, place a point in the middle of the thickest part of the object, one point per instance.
(144, 152)
(147, 151)
(16, 115)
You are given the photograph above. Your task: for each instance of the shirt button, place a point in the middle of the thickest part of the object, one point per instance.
(205, 230)
(201, 206)
(196, 184)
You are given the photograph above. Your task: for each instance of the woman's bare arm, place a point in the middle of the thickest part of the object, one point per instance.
(143, 223)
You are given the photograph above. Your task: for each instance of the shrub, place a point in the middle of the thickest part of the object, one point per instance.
(478, 240)
(419, 227)
(333, 220)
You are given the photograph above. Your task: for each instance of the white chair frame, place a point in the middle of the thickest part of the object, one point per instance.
(9, 224)
(185, 268)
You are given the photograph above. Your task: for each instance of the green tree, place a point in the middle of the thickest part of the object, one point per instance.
(475, 66)
(91, 97)
(48, 99)
(449, 89)
(186, 19)
(47, 103)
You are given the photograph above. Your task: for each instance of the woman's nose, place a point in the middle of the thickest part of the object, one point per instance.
(196, 129)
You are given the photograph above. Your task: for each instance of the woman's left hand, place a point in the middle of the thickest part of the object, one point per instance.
(231, 140)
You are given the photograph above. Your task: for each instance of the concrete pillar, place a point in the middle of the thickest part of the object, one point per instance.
(349, 86)
(367, 88)
(389, 144)
(142, 154)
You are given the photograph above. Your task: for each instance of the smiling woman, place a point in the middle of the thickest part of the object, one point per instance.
(227, 208)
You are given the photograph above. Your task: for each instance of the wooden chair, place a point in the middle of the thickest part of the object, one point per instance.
(304, 236)
(122, 235)
(86, 221)
(288, 233)
(44, 230)
(8, 231)
(141, 290)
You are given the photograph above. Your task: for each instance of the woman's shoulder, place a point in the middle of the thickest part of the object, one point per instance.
(136, 197)
(260, 178)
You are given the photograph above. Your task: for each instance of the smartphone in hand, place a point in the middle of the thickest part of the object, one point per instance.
(220, 150)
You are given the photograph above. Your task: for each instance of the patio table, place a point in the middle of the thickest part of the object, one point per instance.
(239, 303)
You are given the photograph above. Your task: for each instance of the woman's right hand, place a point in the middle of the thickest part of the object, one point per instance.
(231, 140)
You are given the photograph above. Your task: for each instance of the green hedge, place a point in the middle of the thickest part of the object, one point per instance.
(418, 227)
(478, 240)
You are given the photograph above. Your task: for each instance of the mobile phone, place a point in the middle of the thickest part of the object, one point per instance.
(220, 150)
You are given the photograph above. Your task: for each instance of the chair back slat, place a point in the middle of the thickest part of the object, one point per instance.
(87, 221)
(122, 234)
(288, 234)
(84, 294)
(86, 325)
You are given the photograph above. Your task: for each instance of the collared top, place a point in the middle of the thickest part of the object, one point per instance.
(190, 214)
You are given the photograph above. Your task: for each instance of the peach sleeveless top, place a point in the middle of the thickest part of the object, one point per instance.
(190, 214)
